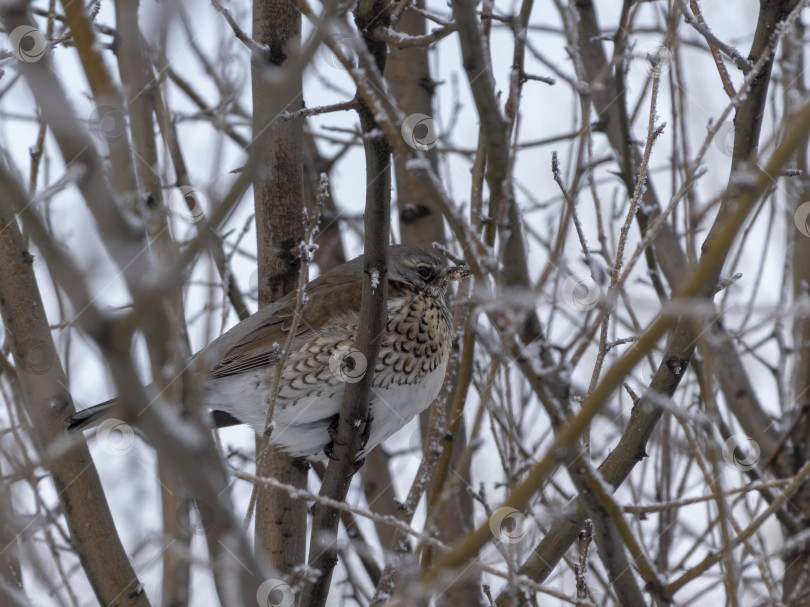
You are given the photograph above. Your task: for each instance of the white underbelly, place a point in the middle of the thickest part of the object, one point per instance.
(300, 426)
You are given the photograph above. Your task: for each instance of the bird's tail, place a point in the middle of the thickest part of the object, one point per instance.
(92, 416)
(87, 418)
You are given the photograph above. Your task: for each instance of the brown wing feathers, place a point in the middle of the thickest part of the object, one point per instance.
(336, 290)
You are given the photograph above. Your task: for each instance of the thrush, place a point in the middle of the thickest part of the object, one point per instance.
(322, 357)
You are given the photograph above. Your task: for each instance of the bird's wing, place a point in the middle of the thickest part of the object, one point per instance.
(257, 341)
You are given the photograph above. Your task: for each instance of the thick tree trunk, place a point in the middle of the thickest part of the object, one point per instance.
(278, 192)
(420, 222)
(47, 401)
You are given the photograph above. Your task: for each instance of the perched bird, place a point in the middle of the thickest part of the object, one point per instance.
(322, 358)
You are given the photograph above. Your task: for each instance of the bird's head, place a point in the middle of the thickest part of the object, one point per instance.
(422, 270)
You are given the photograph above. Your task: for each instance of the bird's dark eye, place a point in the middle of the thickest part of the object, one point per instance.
(424, 271)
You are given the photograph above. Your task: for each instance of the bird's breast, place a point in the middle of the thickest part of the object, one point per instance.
(408, 374)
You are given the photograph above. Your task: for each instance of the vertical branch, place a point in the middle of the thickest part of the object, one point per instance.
(702, 280)
(496, 128)
(11, 580)
(139, 86)
(318, 193)
(354, 414)
(186, 444)
(731, 375)
(407, 76)
(279, 205)
(106, 95)
(170, 138)
(407, 73)
(796, 561)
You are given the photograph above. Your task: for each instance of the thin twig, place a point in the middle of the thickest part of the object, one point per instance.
(258, 49)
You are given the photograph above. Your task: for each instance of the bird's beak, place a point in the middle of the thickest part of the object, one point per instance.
(455, 273)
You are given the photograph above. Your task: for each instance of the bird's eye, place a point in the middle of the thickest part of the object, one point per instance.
(424, 271)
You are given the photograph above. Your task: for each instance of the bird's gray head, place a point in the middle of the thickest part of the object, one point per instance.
(421, 269)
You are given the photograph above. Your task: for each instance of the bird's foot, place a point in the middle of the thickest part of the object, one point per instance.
(358, 463)
(332, 430)
(366, 431)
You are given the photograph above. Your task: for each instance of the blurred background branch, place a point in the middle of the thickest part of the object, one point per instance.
(629, 366)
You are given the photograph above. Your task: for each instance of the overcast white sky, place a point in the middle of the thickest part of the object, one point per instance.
(546, 111)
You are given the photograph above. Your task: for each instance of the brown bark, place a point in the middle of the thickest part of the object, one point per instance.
(408, 76)
(407, 73)
(354, 413)
(702, 280)
(278, 201)
(138, 82)
(797, 562)
(47, 402)
(10, 568)
(610, 105)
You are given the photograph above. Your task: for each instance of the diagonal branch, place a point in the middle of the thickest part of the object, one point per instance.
(733, 379)
(47, 401)
(700, 283)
